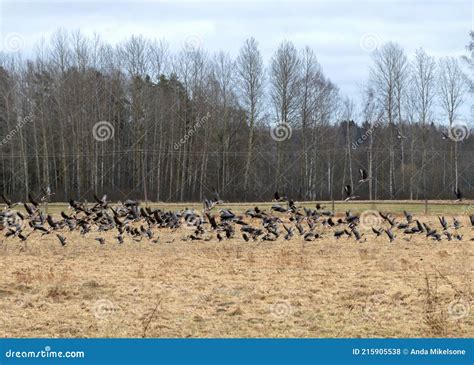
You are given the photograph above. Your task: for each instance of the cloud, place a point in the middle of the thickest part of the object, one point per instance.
(332, 28)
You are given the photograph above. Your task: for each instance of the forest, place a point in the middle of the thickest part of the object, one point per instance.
(136, 120)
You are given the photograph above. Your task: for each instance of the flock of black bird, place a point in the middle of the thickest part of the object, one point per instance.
(131, 221)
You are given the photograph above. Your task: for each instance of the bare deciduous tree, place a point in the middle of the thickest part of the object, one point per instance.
(250, 79)
(452, 87)
(386, 73)
(424, 87)
(285, 80)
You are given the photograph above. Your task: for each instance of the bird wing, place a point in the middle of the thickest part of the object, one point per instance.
(348, 190)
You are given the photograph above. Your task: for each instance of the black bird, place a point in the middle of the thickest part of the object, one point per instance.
(46, 194)
(471, 217)
(54, 225)
(7, 201)
(357, 234)
(65, 216)
(319, 206)
(300, 228)
(436, 236)
(419, 227)
(377, 232)
(310, 236)
(443, 222)
(348, 191)
(390, 234)
(101, 202)
(62, 239)
(226, 214)
(408, 216)
(400, 135)
(364, 177)
(279, 208)
(278, 198)
(22, 237)
(212, 220)
(456, 223)
(289, 232)
(430, 232)
(38, 227)
(101, 240)
(229, 232)
(32, 200)
(29, 209)
(458, 194)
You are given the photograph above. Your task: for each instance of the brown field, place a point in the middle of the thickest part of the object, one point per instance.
(176, 288)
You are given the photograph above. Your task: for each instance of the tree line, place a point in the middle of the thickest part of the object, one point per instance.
(135, 120)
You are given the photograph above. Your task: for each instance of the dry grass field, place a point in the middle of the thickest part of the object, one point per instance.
(176, 288)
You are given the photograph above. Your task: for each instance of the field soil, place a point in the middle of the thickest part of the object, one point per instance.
(184, 288)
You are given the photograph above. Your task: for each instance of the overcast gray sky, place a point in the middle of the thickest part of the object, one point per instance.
(342, 33)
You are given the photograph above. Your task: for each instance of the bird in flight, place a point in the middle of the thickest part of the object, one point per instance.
(348, 191)
(364, 177)
(458, 194)
(278, 198)
(61, 239)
